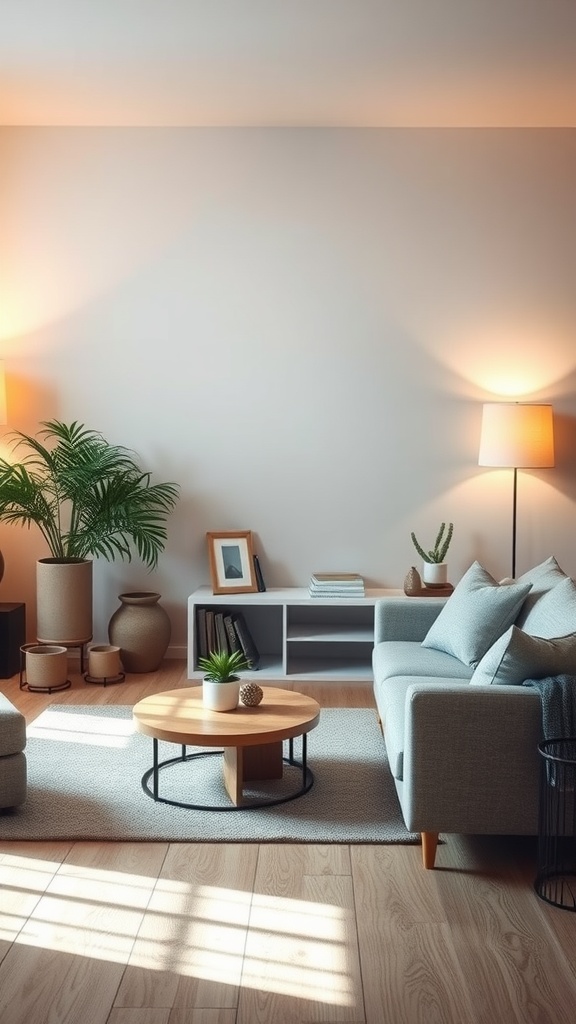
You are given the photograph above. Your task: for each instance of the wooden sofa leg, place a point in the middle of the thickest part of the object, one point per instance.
(429, 844)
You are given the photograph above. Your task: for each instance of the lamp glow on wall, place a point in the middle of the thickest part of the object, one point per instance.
(3, 411)
(3, 421)
(516, 435)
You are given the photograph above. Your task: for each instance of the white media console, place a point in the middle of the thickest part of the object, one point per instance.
(299, 637)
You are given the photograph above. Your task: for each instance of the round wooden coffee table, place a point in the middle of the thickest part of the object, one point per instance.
(250, 740)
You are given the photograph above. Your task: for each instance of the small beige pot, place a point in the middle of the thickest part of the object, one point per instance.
(46, 666)
(104, 661)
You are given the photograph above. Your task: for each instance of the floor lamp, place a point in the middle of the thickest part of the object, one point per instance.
(516, 436)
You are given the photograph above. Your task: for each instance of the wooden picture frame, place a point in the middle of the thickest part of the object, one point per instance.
(231, 555)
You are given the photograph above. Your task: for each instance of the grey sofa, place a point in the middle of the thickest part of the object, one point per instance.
(465, 757)
(12, 757)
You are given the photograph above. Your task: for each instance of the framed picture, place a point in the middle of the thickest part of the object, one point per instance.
(232, 562)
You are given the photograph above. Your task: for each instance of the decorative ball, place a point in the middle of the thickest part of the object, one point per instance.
(251, 694)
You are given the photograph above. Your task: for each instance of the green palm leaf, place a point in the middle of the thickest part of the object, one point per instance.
(87, 497)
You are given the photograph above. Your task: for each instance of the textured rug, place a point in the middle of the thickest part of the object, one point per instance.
(85, 766)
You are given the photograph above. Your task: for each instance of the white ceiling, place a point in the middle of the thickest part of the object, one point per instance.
(288, 62)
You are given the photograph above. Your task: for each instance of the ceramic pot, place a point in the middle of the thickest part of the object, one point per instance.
(64, 601)
(435, 574)
(103, 661)
(220, 696)
(46, 666)
(412, 582)
(140, 627)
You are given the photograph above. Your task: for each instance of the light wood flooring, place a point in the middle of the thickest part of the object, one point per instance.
(154, 933)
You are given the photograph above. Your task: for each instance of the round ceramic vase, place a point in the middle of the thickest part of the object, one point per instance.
(220, 696)
(140, 627)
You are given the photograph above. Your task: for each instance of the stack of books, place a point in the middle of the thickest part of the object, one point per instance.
(336, 584)
(225, 631)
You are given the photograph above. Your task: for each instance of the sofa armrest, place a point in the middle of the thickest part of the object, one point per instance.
(401, 618)
(471, 761)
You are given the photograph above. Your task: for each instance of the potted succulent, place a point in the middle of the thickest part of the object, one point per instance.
(221, 684)
(88, 498)
(434, 568)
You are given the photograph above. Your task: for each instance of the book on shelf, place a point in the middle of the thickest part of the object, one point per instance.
(336, 584)
(233, 641)
(258, 573)
(251, 652)
(202, 636)
(221, 634)
(210, 631)
(340, 579)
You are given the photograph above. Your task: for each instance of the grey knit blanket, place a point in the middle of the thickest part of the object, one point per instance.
(558, 697)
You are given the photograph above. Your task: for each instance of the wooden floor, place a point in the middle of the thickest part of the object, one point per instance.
(154, 933)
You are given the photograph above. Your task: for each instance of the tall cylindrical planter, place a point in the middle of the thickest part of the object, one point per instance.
(64, 600)
(140, 627)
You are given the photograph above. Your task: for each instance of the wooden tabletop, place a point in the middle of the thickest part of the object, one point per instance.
(179, 716)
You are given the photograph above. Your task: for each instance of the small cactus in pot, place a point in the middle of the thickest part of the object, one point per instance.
(434, 559)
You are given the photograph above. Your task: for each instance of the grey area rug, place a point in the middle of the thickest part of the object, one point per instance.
(85, 766)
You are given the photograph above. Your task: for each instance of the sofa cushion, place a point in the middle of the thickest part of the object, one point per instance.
(543, 577)
(554, 613)
(12, 728)
(407, 657)
(391, 702)
(517, 656)
(475, 615)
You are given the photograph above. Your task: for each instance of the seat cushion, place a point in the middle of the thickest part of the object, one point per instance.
(390, 696)
(408, 658)
(12, 729)
(475, 615)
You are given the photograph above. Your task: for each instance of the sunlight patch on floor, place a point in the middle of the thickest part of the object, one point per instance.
(298, 948)
(292, 947)
(94, 730)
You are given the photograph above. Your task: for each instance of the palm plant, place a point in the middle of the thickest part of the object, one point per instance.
(86, 496)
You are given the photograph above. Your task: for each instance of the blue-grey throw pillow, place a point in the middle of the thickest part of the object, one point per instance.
(544, 578)
(475, 615)
(554, 613)
(516, 656)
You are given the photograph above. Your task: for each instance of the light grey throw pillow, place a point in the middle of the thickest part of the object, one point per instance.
(516, 656)
(543, 577)
(475, 615)
(554, 613)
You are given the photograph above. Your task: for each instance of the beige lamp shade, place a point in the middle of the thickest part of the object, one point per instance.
(516, 435)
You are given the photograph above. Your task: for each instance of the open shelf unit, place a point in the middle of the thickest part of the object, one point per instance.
(298, 636)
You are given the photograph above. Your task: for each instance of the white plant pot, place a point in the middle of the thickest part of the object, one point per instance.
(435, 574)
(220, 696)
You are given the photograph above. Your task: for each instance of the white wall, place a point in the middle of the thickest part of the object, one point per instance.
(299, 327)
